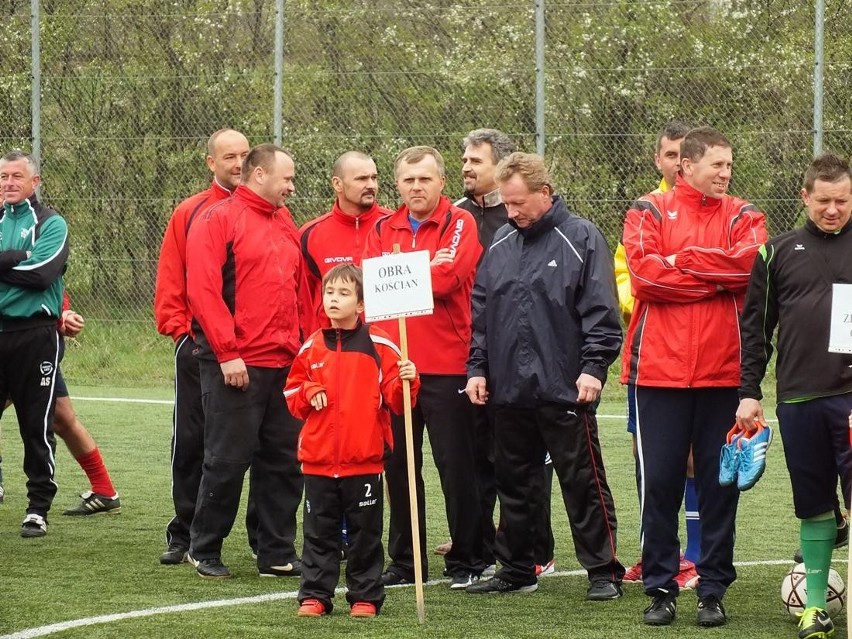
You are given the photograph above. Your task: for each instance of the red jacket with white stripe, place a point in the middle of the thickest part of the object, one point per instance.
(684, 331)
(247, 290)
(438, 344)
(358, 371)
(171, 308)
(332, 239)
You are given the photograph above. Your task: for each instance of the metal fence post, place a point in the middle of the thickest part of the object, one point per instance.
(35, 79)
(278, 107)
(819, 64)
(539, 77)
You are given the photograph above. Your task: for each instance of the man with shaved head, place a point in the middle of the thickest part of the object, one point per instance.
(226, 150)
(338, 236)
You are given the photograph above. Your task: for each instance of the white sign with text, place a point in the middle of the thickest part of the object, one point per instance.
(840, 338)
(397, 285)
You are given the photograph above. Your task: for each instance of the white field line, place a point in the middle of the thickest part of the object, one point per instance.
(44, 631)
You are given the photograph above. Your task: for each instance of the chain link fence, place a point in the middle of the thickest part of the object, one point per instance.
(131, 91)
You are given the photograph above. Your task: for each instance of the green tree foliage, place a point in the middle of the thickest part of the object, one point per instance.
(131, 90)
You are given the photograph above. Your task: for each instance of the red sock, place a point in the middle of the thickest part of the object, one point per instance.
(93, 465)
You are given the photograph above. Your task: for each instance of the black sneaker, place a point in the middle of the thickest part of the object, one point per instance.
(460, 582)
(391, 578)
(290, 569)
(95, 504)
(175, 554)
(711, 612)
(211, 568)
(662, 610)
(498, 585)
(603, 590)
(34, 526)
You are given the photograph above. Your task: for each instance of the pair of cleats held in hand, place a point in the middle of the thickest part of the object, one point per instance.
(743, 456)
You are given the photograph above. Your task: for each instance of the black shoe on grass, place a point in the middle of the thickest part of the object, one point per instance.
(711, 612)
(175, 554)
(496, 585)
(95, 504)
(662, 610)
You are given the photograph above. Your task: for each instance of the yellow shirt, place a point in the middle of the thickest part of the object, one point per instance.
(622, 274)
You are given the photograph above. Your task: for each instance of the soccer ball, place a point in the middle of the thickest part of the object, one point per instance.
(794, 592)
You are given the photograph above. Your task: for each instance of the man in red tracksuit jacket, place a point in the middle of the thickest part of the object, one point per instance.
(247, 296)
(690, 252)
(342, 384)
(226, 150)
(338, 237)
(438, 345)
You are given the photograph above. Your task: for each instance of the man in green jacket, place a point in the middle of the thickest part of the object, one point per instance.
(33, 253)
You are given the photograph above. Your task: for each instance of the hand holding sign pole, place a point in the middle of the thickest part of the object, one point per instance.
(399, 285)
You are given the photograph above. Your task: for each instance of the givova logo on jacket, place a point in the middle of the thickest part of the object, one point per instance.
(45, 368)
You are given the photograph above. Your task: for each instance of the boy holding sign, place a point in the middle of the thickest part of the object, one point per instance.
(342, 383)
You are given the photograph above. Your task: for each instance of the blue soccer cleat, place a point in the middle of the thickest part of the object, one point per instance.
(752, 456)
(729, 457)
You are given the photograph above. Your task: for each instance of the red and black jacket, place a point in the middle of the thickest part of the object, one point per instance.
(358, 371)
(332, 239)
(438, 343)
(246, 285)
(171, 307)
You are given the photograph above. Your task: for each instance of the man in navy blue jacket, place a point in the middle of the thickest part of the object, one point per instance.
(545, 331)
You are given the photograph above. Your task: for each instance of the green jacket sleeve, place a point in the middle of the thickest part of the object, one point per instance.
(47, 258)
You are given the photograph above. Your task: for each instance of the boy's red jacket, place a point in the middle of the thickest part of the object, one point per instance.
(438, 344)
(245, 281)
(332, 239)
(684, 330)
(171, 307)
(358, 371)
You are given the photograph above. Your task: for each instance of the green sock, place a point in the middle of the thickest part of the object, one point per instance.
(817, 536)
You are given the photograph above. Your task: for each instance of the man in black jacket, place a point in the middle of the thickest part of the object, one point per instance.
(800, 282)
(483, 151)
(545, 331)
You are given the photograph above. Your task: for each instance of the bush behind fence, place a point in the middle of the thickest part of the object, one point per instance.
(130, 92)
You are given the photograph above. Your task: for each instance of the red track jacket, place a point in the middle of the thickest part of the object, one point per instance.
(171, 308)
(438, 344)
(246, 285)
(684, 331)
(358, 370)
(332, 239)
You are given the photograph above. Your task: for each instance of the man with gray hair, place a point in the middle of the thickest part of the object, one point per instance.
(33, 255)
(483, 150)
(545, 331)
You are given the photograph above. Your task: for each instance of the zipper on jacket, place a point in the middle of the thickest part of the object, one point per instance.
(357, 237)
(337, 406)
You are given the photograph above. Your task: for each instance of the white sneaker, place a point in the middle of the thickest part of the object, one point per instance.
(547, 569)
(488, 572)
(34, 526)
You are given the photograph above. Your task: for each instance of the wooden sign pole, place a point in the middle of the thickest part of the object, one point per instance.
(412, 487)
